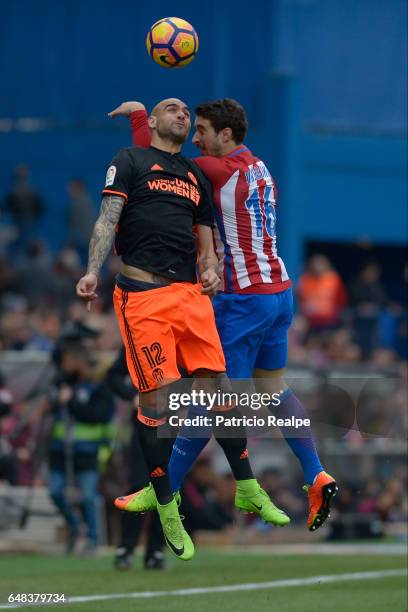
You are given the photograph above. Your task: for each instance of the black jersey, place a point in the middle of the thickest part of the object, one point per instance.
(166, 195)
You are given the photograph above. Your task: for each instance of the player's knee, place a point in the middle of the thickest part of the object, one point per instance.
(211, 381)
(153, 403)
(204, 373)
(223, 383)
(270, 381)
(269, 374)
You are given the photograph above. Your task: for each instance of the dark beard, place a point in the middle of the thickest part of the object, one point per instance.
(177, 139)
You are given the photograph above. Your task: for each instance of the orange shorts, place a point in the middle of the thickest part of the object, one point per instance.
(165, 327)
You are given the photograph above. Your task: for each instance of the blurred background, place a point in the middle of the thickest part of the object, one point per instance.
(324, 86)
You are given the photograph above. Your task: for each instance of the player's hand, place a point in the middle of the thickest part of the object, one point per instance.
(86, 286)
(126, 108)
(210, 282)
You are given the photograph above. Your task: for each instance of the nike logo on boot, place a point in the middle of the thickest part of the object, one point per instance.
(177, 551)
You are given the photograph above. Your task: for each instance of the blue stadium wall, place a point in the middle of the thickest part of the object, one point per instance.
(323, 81)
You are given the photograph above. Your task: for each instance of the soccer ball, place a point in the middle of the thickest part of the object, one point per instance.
(172, 42)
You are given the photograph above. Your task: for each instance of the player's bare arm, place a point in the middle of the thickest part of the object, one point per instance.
(126, 108)
(207, 261)
(104, 232)
(100, 244)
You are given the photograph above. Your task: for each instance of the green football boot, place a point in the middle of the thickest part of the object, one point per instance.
(250, 498)
(176, 537)
(141, 501)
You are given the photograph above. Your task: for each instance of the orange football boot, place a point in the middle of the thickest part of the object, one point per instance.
(320, 495)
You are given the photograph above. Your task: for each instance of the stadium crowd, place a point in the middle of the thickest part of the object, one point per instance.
(340, 323)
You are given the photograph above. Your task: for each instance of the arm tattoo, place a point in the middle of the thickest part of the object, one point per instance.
(206, 262)
(104, 232)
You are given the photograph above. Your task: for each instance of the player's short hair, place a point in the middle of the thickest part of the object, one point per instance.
(226, 113)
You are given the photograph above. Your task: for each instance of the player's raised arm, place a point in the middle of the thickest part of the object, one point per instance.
(136, 112)
(126, 108)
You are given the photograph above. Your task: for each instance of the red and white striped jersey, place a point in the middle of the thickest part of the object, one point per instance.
(245, 202)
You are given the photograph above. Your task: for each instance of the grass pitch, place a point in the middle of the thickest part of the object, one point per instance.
(76, 577)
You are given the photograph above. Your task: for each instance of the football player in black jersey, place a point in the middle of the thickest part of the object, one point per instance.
(151, 202)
